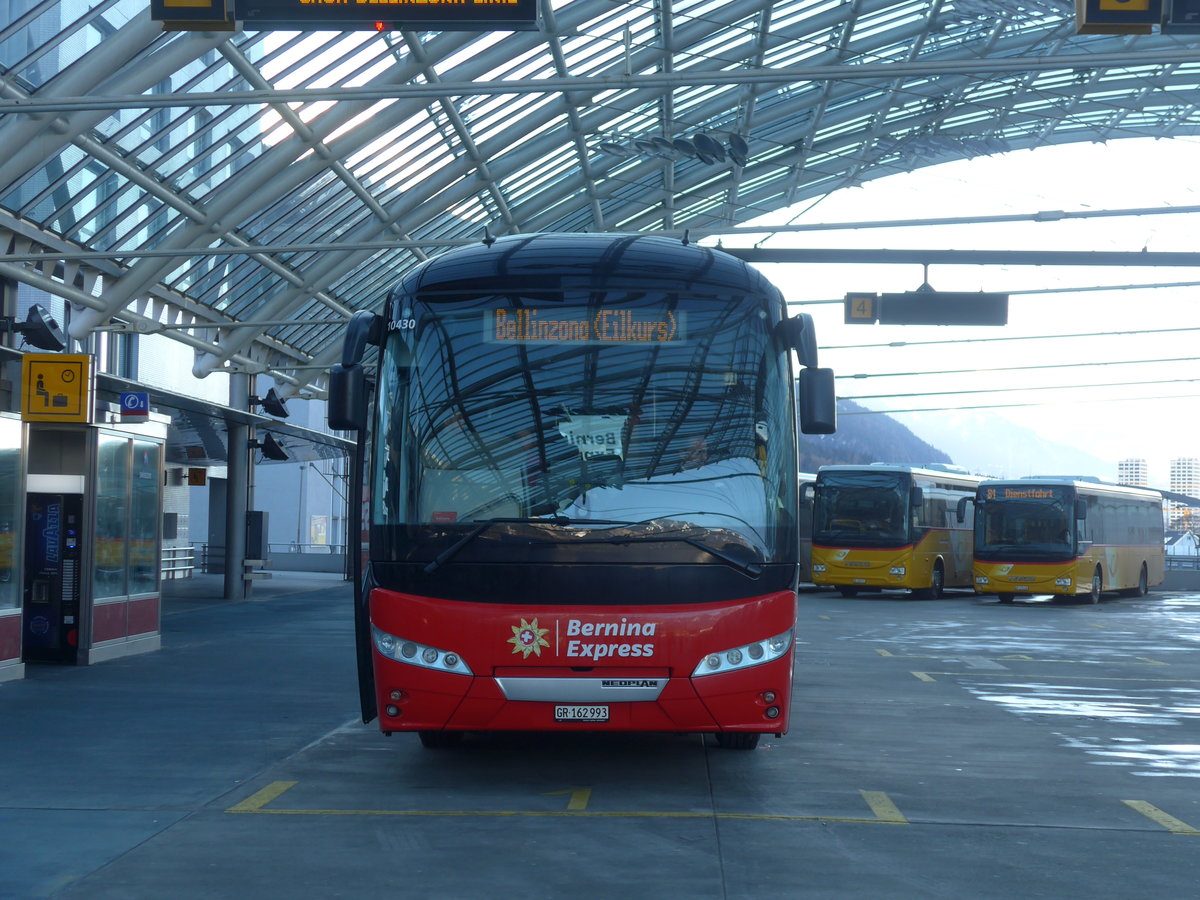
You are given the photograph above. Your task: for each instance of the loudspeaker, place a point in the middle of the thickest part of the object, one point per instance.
(39, 329)
(272, 450)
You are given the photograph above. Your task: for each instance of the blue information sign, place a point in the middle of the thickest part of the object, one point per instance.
(135, 406)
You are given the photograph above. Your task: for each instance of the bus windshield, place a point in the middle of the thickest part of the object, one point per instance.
(861, 507)
(616, 422)
(1034, 528)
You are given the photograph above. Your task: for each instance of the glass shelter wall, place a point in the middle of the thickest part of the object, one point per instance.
(10, 511)
(128, 499)
(112, 516)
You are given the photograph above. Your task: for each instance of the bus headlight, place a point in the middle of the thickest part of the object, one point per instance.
(897, 571)
(981, 579)
(745, 656)
(1062, 582)
(818, 567)
(415, 654)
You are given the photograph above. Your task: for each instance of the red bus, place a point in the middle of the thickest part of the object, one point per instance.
(581, 460)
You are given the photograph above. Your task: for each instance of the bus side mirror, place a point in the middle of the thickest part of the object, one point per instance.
(347, 409)
(818, 403)
(798, 333)
(364, 327)
(1080, 509)
(916, 496)
(961, 510)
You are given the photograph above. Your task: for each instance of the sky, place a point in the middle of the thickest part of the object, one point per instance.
(1105, 413)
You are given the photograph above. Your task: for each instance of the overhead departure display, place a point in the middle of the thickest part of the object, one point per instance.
(387, 15)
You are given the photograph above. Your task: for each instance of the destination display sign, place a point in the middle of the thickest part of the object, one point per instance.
(387, 15)
(1022, 492)
(566, 326)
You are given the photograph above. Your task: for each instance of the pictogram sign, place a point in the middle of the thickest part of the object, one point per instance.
(56, 387)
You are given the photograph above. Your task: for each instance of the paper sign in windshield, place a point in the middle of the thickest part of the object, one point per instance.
(595, 435)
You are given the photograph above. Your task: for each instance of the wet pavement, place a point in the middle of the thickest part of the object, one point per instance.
(949, 748)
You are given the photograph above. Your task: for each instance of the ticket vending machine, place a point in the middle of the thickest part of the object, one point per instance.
(53, 525)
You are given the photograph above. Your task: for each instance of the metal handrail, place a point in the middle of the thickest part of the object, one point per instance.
(176, 560)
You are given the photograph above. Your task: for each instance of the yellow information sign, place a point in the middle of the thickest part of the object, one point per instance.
(56, 387)
(1117, 16)
(861, 309)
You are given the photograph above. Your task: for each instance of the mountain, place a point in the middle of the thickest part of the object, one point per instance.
(981, 443)
(865, 438)
(996, 446)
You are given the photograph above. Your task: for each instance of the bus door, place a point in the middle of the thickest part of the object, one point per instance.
(51, 602)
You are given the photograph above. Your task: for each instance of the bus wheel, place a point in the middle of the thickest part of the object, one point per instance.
(937, 583)
(1143, 585)
(848, 592)
(437, 740)
(738, 740)
(1005, 598)
(1097, 584)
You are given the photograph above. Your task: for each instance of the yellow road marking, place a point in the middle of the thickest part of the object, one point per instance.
(924, 676)
(579, 798)
(529, 813)
(883, 807)
(885, 811)
(256, 801)
(883, 652)
(1167, 821)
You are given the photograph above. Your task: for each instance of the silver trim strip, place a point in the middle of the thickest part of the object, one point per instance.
(582, 690)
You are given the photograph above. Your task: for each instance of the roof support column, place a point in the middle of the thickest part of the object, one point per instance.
(237, 494)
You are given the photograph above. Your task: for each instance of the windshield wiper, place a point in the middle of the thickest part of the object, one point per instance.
(751, 569)
(450, 552)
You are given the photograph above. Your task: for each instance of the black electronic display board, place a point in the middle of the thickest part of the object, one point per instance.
(386, 15)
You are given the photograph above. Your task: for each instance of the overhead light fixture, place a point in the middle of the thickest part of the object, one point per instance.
(708, 147)
(271, 448)
(686, 147)
(272, 404)
(739, 150)
(39, 329)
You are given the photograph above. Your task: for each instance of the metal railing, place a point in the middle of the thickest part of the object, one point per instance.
(1186, 563)
(293, 547)
(177, 562)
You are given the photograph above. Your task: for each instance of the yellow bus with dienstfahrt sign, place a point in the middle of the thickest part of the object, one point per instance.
(1067, 538)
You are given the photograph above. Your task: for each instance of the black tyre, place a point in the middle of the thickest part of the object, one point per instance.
(848, 591)
(1097, 587)
(937, 584)
(1143, 585)
(1005, 598)
(738, 740)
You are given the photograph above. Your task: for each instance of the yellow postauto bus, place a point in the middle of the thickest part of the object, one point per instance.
(893, 527)
(1068, 538)
(807, 479)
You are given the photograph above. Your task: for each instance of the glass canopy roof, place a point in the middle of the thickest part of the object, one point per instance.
(245, 192)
